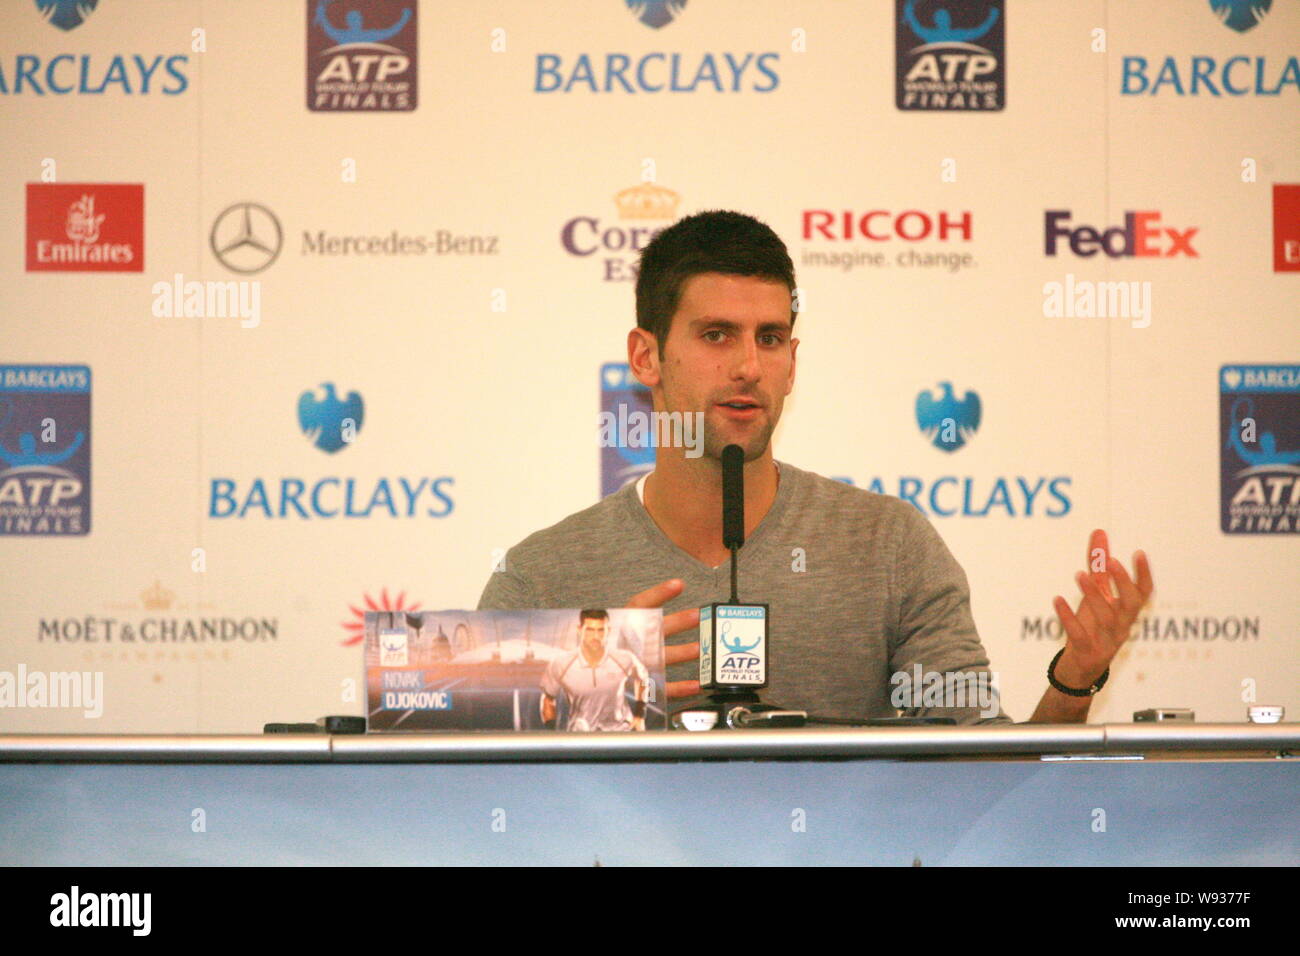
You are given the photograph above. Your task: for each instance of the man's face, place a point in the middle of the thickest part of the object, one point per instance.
(593, 635)
(730, 344)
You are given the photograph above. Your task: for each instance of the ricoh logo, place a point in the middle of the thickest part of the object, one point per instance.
(882, 225)
(849, 239)
(1141, 236)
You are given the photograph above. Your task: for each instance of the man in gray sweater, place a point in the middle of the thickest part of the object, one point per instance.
(866, 601)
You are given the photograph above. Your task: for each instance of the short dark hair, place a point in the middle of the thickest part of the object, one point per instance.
(715, 241)
(596, 614)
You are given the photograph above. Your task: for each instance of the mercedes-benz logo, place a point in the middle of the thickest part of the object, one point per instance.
(246, 237)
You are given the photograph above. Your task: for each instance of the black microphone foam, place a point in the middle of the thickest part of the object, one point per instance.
(733, 496)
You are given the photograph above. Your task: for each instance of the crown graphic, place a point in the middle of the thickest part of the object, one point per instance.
(157, 598)
(647, 201)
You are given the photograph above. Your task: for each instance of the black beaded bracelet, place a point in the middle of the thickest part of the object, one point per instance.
(1097, 685)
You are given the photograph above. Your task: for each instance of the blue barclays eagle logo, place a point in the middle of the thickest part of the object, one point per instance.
(66, 14)
(947, 422)
(328, 423)
(1241, 15)
(656, 13)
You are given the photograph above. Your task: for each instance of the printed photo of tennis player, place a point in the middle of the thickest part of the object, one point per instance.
(582, 670)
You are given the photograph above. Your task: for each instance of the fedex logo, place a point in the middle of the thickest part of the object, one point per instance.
(1141, 235)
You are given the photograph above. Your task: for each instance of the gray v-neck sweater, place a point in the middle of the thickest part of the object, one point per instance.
(860, 587)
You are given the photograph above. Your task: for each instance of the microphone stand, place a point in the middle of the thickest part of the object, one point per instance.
(740, 707)
(733, 704)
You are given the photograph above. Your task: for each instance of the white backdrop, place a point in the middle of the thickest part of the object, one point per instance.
(482, 366)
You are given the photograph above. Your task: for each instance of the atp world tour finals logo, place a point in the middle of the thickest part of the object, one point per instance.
(1259, 457)
(44, 449)
(950, 55)
(361, 57)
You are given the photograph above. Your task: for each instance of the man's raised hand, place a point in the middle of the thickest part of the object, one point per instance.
(674, 623)
(1110, 603)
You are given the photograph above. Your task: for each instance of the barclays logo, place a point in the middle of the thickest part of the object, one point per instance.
(656, 13)
(330, 423)
(1240, 15)
(657, 71)
(66, 14)
(1237, 75)
(948, 422)
(1259, 466)
(93, 74)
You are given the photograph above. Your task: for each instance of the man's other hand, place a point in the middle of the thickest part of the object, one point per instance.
(1110, 603)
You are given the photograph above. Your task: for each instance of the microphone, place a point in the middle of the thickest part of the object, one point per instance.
(733, 507)
(733, 497)
(733, 635)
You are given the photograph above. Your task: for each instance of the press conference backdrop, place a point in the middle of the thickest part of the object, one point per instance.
(310, 307)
